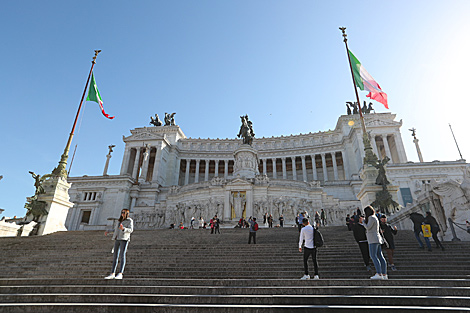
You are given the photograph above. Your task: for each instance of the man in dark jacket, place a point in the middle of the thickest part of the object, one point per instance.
(359, 232)
(418, 220)
(388, 232)
(434, 229)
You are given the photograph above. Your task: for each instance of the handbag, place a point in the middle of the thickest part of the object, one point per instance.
(426, 230)
(384, 241)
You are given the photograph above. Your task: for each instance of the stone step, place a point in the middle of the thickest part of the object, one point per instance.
(214, 308)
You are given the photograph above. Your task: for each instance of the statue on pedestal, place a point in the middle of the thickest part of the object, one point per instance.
(246, 131)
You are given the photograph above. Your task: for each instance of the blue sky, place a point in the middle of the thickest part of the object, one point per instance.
(281, 62)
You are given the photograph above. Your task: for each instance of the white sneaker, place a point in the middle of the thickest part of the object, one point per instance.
(118, 276)
(385, 276)
(376, 276)
(111, 276)
(305, 277)
(316, 277)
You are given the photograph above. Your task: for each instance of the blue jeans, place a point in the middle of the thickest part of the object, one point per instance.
(426, 239)
(120, 248)
(375, 252)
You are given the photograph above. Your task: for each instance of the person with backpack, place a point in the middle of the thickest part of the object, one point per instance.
(253, 229)
(307, 239)
(429, 219)
(418, 220)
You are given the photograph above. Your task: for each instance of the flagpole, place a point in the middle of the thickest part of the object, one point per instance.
(461, 157)
(370, 157)
(60, 170)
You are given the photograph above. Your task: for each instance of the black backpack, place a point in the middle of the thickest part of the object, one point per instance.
(317, 238)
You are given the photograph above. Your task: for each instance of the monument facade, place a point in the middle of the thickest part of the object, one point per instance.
(166, 177)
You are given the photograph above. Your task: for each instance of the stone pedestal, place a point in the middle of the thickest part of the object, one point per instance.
(246, 162)
(57, 201)
(368, 191)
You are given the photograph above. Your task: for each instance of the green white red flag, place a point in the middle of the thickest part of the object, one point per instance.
(94, 95)
(366, 82)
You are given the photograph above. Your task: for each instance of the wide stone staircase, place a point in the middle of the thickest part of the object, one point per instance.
(195, 271)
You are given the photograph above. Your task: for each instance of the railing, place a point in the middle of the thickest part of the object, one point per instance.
(452, 223)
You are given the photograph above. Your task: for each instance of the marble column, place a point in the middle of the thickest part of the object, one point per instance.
(418, 150)
(136, 164)
(400, 148)
(206, 172)
(196, 178)
(335, 167)
(264, 165)
(314, 167)
(125, 161)
(177, 174)
(145, 164)
(156, 164)
(304, 169)
(323, 163)
(345, 166)
(387, 148)
(216, 174)
(106, 165)
(186, 175)
(284, 171)
(225, 169)
(294, 170)
(374, 144)
(274, 168)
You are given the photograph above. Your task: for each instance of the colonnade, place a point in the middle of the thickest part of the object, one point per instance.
(302, 167)
(142, 163)
(388, 145)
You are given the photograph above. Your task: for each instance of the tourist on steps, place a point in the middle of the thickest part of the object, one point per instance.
(418, 220)
(375, 241)
(281, 221)
(359, 232)
(270, 220)
(253, 229)
(317, 218)
(323, 217)
(429, 219)
(122, 236)
(388, 232)
(216, 225)
(306, 235)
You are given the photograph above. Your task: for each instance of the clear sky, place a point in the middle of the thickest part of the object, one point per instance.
(281, 62)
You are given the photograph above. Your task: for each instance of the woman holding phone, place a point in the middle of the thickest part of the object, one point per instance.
(122, 236)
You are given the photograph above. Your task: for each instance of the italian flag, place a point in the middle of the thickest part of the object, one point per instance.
(94, 95)
(367, 82)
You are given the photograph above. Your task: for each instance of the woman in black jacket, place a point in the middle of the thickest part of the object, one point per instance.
(434, 229)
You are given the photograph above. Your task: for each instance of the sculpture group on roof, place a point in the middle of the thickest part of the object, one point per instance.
(169, 120)
(355, 108)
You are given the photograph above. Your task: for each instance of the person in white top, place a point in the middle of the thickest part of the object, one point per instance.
(306, 235)
(375, 240)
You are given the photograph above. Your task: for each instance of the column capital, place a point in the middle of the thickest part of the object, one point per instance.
(303, 157)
